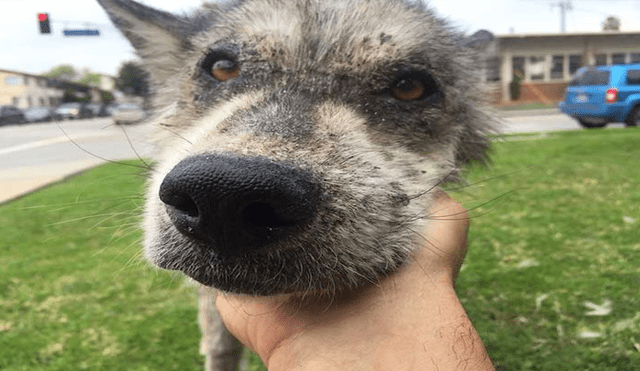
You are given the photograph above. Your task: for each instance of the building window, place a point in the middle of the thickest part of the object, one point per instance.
(601, 59)
(557, 67)
(634, 58)
(15, 101)
(13, 80)
(41, 102)
(575, 62)
(518, 67)
(536, 68)
(618, 58)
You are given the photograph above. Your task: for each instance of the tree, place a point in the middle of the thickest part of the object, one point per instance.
(72, 95)
(132, 79)
(91, 79)
(107, 97)
(62, 72)
(612, 23)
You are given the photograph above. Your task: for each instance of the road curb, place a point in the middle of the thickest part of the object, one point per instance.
(529, 112)
(20, 182)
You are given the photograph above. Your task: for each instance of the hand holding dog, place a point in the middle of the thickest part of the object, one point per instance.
(411, 320)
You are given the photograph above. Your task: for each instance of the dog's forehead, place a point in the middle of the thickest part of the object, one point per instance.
(341, 33)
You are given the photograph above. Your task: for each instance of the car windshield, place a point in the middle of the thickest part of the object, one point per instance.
(591, 77)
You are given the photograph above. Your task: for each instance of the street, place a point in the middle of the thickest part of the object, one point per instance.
(543, 121)
(34, 155)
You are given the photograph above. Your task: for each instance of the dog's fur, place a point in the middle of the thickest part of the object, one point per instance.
(319, 90)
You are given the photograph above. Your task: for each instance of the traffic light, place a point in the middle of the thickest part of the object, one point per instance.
(43, 20)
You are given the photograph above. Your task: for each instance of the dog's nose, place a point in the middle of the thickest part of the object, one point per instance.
(237, 204)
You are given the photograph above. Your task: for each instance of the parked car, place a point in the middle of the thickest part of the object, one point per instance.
(10, 115)
(74, 111)
(599, 95)
(127, 113)
(40, 114)
(99, 109)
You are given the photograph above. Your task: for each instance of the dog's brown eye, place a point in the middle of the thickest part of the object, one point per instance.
(224, 70)
(415, 85)
(408, 89)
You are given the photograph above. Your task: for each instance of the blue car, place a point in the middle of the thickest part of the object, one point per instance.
(599, 95)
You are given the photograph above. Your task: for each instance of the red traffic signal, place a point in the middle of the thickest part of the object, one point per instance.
(43, 20)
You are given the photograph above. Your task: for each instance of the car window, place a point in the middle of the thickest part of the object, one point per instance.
(633, 77)
(591, 77)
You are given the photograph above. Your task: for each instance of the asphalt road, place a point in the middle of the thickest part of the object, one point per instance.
(34, 155)
(37, 154)
(540, 121)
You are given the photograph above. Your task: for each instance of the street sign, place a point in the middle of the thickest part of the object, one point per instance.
(81, 32)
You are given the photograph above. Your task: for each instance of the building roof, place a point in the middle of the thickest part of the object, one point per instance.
(22, 73)
(567, 34)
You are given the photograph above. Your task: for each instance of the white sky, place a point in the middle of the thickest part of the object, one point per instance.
(22, 48)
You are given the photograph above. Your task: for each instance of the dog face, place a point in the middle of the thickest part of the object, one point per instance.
(299, 141)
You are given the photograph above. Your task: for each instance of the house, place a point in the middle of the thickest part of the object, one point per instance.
(544, 63)
(26, 90)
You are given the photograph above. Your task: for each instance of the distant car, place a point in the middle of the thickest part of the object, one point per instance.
(99, 109)
(599, 95)
(39, 114)
(10, 115)
(73, 111)
(127, 113)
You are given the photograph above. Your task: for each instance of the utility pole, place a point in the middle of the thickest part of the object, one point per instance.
(564, 5)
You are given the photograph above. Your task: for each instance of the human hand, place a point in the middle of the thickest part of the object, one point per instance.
(410, 320)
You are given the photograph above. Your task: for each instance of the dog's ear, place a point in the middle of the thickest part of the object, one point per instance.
(160, 38)
(479, 40)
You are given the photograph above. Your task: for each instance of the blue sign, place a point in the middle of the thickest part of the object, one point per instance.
(81, 32)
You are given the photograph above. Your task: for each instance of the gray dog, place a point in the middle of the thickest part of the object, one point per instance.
(299, 141)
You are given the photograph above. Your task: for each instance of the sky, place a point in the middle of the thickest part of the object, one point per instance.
(22, 48)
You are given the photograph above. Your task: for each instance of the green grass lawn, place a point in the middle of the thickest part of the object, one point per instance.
(555, 239)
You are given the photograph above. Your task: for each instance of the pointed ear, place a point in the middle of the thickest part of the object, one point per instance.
(479, 40)
(160, 38)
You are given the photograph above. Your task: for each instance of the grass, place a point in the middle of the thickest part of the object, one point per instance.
(554, 235)
(562, 239)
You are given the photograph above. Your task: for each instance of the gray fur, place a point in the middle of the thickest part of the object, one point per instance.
(314, 92)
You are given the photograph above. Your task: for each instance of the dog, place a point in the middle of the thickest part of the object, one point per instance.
(299, 141)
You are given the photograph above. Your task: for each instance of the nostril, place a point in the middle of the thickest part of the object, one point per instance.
(260, 214)
(185, 204)
(178, 200)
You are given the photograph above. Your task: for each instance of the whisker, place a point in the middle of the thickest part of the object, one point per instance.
(99, 157)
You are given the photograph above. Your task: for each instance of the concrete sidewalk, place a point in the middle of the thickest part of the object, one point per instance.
(19, 182)
(529, 112)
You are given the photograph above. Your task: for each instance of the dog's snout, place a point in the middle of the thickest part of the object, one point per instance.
(236, 204)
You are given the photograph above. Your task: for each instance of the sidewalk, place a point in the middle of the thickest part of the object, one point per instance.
(529, 112)
(18, 182)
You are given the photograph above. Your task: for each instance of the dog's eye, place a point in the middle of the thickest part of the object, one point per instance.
(224, 70)
(414, 87)
(221, 63)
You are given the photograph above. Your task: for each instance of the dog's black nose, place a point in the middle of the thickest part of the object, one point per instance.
(237, 204)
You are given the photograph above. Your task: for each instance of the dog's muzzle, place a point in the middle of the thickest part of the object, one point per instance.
(234, 205)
